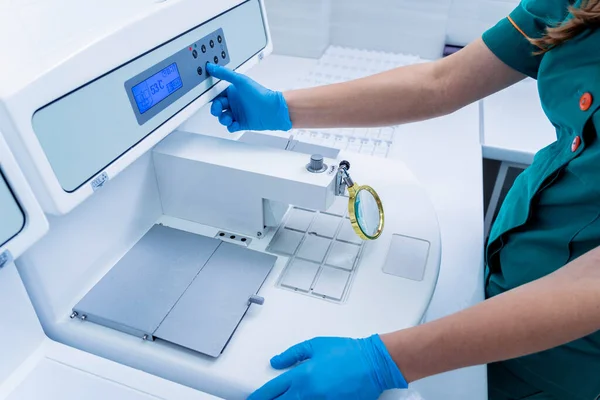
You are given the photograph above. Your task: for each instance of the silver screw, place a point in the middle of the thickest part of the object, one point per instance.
(145, 337)
(74, 314)
(83, 317)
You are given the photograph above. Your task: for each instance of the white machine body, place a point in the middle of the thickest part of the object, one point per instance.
(86, 245)
(33, 366)
(134, 204)
(65, 106)
(23, 221)
(21, 224)
(243, 188)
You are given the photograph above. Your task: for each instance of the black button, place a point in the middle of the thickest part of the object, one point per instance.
(200, 71)
(203, 48)
(212, 44)
(216, 60)
(223, 55)
(195, 54)
(220, 39)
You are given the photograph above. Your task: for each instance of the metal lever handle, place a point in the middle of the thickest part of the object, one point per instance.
(343, 178)
(258, 300)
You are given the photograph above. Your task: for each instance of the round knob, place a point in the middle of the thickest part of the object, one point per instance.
(316, 164)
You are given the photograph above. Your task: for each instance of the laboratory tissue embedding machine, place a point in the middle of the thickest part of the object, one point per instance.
(189, 258)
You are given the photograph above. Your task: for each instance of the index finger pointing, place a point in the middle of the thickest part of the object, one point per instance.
(223, 73)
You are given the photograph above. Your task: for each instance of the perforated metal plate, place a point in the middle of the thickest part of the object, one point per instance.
(323, 251)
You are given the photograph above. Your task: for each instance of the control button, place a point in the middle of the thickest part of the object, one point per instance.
(299, 219)
(314, 248)
(203, 48)
(576, 143)
(223, 55)
(326, 225)
(331, 283)
(212, 44)
(300, 275)
(586, 101)
(286, 242)
(216, 59)
(343, 255)
(220, 39)
(200, 71)
(316, 164)
(195, 54)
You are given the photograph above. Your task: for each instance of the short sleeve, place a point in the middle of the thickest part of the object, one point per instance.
(508, 40)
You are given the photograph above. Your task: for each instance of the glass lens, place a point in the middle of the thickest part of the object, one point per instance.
(367, 213)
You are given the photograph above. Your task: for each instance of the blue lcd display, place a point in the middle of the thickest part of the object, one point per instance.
(155, 89)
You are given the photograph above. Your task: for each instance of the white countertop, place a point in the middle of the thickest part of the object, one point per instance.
(514, 124)
(445, 154)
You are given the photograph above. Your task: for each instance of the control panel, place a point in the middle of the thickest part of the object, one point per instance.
(159, 86)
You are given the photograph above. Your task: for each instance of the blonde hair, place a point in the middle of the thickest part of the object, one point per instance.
(585, 17)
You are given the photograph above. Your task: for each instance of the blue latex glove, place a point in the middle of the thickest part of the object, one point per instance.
(333, 368)
(246, 105)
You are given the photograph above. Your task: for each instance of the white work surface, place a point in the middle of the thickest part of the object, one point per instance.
(445, 155)
(34, 367)
(514, 124)
(55, 371)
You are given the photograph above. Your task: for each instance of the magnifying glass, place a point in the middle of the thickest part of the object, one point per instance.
(364, 207)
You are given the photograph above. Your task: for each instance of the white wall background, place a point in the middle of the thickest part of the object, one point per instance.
(421, 27)
(468, 19)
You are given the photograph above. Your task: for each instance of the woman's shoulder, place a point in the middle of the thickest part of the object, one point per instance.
(551, 12)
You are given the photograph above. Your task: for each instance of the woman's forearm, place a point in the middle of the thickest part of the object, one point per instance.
(382, 99)
(405, 94)
(552, 311)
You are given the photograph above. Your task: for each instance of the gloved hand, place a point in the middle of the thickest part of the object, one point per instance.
(246, 105)
(333, 368)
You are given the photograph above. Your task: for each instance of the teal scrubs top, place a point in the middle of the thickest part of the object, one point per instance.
(552, 214)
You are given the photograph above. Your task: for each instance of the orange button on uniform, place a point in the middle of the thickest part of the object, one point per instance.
(586, 101)
(576, 143)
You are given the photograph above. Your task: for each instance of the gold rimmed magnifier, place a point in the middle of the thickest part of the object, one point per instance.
(364, 206)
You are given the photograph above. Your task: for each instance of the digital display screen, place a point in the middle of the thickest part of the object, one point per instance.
(158, 87)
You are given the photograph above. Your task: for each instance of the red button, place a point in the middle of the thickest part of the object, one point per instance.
(586, 101)
(576, 143)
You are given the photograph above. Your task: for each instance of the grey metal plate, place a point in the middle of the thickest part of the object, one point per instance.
(209, 312)
(138, 293)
